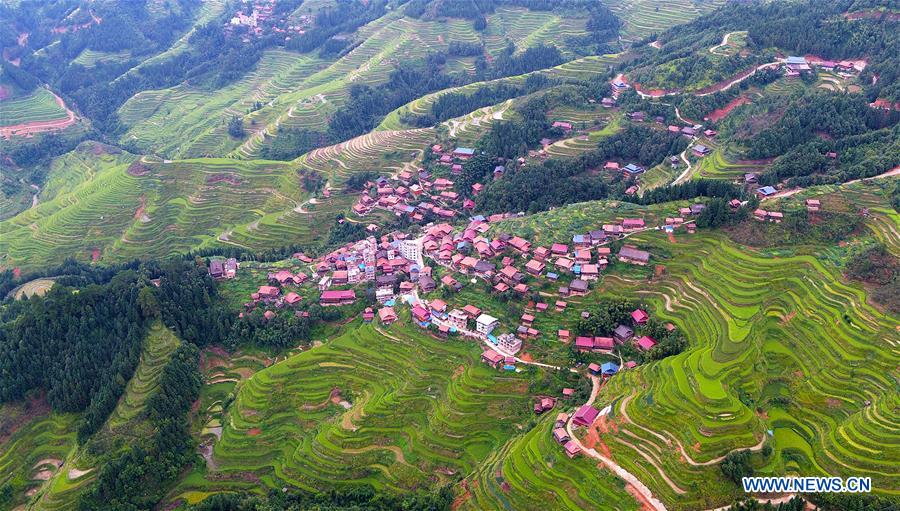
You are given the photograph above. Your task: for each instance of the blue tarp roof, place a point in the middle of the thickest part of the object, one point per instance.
(766, 190)
(609, 368)
(492, 338)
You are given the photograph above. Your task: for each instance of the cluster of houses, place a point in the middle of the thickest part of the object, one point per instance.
(415, 195)
(390, 262)
(223, 269)
(621, 334)
(277, 293)
(257, 18)
(794, 66)
(768, 216)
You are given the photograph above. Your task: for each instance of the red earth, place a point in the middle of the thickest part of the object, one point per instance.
(720, 113)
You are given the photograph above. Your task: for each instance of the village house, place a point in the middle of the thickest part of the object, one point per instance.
(472, 311)
(534, 267)
(510, 275)
(585, 416)
(561, 419)
(216, 269)
(589, 272)
(813, 205)
(632, 224)
(607, 102)
(560, 305)
(572, 449)
(609, 368)
(267, 294)
(560, 435)
(700, 150)
(509, 343)
(426, 284)
(541, 254)
(458, 319)
(632, 170)
(581, 240)
(463, 153)
(527, 319)
(563, 125)
(611, 165)
(384, 295)
(640, 317)
(387, 315)
(594, 369)
(578, 287)
(333, 297)
(520, 245)
(623, 333)
(544, 404)
(451, 283)
(421, 315)
(492, 358)
(646, 342)
(563, 335)
(559, 249)
(766, 191)
(292, 298)
(631, 255)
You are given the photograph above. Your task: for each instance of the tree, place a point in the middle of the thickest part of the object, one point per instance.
(236, 127)
(736, 466)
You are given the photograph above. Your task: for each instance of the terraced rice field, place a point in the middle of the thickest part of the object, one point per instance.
(124, 424)
(185, 121)
(531, 471)
(580, 143)
(645, 17)
(159, 346)
(719, 165)
(38, 287)
(114, 215)
(33, 453)
(90, 58)
(385, 151)
(584, 68)
(393, 408)
(39, 106)
(781, 332)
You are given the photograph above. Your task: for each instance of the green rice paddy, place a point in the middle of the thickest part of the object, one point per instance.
(37, 106)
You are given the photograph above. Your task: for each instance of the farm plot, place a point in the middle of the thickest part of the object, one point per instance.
(160, 344)
(125, 424)
(393, 408)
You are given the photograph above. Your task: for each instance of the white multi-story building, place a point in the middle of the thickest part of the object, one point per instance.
(486, 323)
(509, 343)
(410, 250)
(370, 271)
